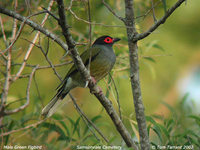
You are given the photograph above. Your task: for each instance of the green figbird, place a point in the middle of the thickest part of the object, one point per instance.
(102, 61)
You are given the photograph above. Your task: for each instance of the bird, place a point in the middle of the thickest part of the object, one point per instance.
(100, 57)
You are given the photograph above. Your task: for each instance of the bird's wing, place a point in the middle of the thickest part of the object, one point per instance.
(85, 58)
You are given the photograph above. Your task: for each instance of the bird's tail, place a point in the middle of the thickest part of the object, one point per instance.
(63, 90)
(47, 110)
(52, 106)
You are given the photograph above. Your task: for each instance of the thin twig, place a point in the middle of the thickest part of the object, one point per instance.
(48, 60)
(159, 22)
(90, 33)
(112, 11)
(15, 101)
(85, 118)
(154, 15)
(21, 129)
(32, 45)
(44, 67)
(37, 89)
(51, 14)
(152, 8)
(20, 30)
(15, 38)
(117, 93)
(7, 82)
(92, 23)
(34, 26)
(14, 29)
(9, 112)
(3, 32)
(90, 20)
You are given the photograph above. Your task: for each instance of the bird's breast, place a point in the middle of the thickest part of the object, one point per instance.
(102, 64)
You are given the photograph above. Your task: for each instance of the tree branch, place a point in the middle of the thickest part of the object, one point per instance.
(7, 81)
(9, 112)
(110, 9)
(134, 75)
(158, 23)
(93, 87)
(87, 120)
(34, 26)
(21, 129)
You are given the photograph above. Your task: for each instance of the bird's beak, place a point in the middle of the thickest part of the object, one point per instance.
(116, 40)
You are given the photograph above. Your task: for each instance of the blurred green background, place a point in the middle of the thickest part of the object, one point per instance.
(169, 62)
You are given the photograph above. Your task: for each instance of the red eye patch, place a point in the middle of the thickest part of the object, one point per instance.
(108, 40)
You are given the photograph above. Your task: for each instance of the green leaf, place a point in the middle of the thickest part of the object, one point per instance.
(158, 47)
(11, 125)
(169, 124)
(154, 44)
(168, 106)
(150, 119)
(183, 100)
(94, 119)
(56, 128)
(60, 118)
(156, 129)
(64, 126)
(76, 127)
(148, 128)
(71, 121)
(164, 130)
(150, 59)
(151, 69)
(196, 118)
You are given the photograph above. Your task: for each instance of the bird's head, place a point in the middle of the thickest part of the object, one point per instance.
(105, 40)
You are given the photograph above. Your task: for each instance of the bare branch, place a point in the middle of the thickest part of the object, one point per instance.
(134, 75)
(7, 82)
(90, 34)
(117, 93)
(85, 118)
(32, 44)
(50, 13)
(21, 129)
(9, 112)
(92, 23)
(3, 32)
(45, 67)
(16, 37)
(14, 30)
(159, 22)
(112, 11)
(90, 20)
(152, 8)
(34, 26)
(154, 15)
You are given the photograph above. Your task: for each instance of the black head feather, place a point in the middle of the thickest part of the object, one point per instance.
(105, 40)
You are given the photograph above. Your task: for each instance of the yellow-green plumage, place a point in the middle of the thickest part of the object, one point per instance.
(101, 58)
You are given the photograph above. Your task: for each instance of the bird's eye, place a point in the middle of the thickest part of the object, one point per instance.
(108, 40)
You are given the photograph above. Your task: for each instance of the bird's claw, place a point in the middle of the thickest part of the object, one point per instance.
(98, 89)
(93, 80)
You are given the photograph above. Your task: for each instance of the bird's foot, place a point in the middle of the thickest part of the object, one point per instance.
(93, 80)
(98, 89)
